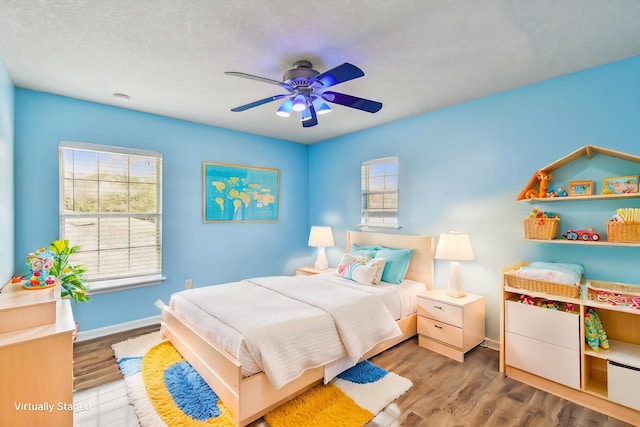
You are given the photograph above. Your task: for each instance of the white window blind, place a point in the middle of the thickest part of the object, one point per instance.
(379, 193)
(110, 206)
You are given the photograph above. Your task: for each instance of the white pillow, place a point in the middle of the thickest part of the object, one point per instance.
(379, 264)
(359, 269)
(364, 274)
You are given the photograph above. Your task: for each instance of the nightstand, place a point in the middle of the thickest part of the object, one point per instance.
(450, 326)
(310, 271)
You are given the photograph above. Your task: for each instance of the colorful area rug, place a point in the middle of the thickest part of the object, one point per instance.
(166, 391)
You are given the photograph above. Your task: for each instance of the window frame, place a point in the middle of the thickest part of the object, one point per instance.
(127, 281)
(365, 184)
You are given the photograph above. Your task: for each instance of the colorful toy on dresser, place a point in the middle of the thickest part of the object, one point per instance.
(38, 264)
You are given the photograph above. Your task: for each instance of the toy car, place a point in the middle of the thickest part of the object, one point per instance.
(586, 234)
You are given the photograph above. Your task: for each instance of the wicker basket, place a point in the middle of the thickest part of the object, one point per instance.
(614, 293)
(541, 228)
(514, 281)
(623, 232)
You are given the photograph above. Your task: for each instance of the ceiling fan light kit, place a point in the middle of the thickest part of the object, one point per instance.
(307, 92)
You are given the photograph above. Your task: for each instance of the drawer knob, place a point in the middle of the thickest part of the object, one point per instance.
(438, 326)
(439, 307)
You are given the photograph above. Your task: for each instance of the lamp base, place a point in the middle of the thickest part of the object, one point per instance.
(321, 261)
(456, 294)
(454, 287)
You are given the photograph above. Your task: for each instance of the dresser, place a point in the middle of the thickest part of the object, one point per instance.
(36, 357)
(450, 326)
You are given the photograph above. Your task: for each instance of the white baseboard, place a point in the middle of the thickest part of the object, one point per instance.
(492, 344)
(120, 327)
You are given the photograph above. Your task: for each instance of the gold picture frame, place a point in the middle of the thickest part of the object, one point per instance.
(620, 184)
(581, 188)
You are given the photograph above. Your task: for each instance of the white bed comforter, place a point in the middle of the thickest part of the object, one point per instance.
(291, 324)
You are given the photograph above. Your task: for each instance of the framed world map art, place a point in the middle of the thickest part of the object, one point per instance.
(239, 193)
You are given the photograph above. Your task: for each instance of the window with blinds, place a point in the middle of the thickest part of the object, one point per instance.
(379, 193)
(110, 206)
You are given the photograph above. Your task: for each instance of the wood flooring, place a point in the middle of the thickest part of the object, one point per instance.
(445, 393)
(94, 362)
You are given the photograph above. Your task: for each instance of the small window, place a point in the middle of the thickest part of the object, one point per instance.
(110, 206)
(379, 193)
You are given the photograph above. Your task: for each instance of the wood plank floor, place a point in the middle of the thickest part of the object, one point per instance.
(94, 362)
(445, 393)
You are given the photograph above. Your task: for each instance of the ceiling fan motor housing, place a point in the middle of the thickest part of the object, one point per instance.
(300, 75)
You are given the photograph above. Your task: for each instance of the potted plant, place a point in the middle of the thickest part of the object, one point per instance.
(71, 280)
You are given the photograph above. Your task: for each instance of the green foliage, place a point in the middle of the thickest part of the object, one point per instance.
(71, 276)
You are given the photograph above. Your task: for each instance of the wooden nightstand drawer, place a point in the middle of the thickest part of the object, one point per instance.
(440, 331)
(438, 310)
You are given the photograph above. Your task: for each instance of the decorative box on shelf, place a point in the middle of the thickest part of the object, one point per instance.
(625, 232)
(614, 293)
(541, 228)
(519, 282)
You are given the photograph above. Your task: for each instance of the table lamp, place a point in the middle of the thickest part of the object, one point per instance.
(321, 237)
(455, 247)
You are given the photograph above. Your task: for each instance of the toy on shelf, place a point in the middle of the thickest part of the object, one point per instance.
(559, 192)
(39, 263)
(542, 302)
(541, 180)
(585, 234)
(537, 213)
(594, 332)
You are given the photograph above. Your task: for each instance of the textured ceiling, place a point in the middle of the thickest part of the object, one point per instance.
(170, 56)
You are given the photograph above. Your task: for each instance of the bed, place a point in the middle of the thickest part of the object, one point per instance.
(251, 391)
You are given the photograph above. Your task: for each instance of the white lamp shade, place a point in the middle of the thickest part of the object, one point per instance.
(454, 246)
(321, 237)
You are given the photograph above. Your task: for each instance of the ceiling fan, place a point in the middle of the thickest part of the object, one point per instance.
(307, 91)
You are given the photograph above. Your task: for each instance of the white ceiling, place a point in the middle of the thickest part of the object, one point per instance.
(170, 56)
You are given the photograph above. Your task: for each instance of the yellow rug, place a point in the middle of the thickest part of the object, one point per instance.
(166, 391)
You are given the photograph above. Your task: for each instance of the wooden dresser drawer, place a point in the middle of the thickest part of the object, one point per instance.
(441, 311)
(440, 331)
(555, 327)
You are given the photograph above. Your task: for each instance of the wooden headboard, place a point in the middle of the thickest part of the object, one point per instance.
(421, 264)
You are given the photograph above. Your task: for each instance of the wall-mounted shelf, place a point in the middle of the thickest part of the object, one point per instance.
(582, 242)
(588, 151)
(584, 198)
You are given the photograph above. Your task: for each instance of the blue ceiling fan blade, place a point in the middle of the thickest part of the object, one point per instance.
(339, 74)
(308, 117)
(260, 102)
(352, 101)
(261, 79)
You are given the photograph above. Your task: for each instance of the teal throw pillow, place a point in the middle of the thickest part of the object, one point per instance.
(396, 265)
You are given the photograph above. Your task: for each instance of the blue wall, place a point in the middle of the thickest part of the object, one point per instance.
(6, 174)
(461, 168)
(207, 253)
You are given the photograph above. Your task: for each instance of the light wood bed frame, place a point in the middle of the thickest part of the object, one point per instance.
(248, 398)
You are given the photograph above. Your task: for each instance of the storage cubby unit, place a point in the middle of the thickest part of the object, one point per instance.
(537, 346)
(546, 349)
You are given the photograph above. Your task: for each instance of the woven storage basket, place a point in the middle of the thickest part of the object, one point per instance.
(623, 232)
(572, 291)
(615, 293)
(541, 228)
